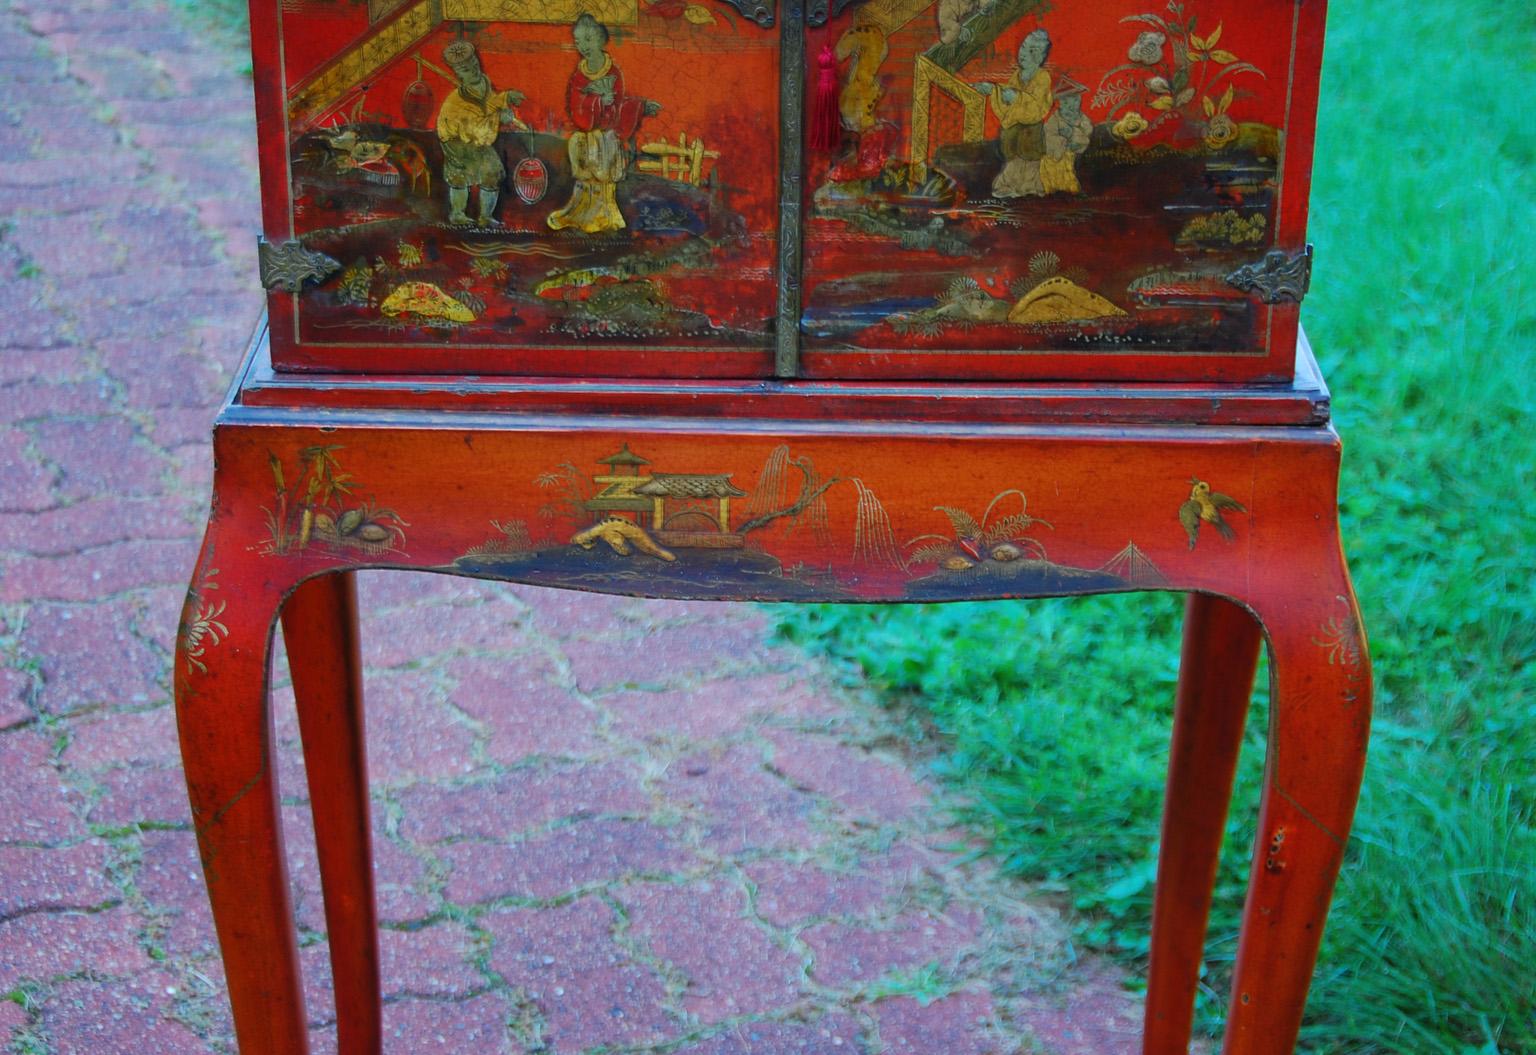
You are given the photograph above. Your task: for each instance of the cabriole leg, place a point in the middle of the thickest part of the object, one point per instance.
(1220, 655)
(1319, 726)
(225, 724)
(321, 634)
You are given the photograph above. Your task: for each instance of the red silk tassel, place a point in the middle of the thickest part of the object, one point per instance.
(826, 128)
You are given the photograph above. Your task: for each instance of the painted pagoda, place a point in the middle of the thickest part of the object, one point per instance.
(679, 509)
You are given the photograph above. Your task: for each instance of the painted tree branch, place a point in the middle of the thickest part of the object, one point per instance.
(809, 492)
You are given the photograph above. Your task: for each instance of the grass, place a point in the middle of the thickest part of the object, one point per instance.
(1054, 715)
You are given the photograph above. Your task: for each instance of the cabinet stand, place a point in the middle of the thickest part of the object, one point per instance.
(753, 491)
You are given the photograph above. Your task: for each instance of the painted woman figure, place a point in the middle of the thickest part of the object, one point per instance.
(606, 119)
(1022, 104)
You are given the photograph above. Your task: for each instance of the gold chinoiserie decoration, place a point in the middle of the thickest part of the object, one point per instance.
(927, 78)
(360, 62)
(682, 161)
(562, 12)
(394, 35)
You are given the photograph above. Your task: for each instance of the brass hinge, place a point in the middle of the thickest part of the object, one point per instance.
(286, 266)
(1279, 276)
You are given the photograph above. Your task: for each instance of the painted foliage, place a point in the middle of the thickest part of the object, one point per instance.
(580, 186)
(553, 175)
(1023, 175)
(202, 628)
(633, 525)
(766, 518)
(316, 504)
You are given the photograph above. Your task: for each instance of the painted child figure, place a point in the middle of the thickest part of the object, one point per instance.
(467, 126)
(1022, 104)
(1067, 132)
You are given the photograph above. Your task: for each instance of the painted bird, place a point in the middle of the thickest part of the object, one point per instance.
(1207, 505)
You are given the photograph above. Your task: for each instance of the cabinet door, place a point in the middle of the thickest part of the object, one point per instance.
(1023, 189)
(557, 187)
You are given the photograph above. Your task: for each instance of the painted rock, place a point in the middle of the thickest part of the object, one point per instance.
(1060, 299)
(426, 301)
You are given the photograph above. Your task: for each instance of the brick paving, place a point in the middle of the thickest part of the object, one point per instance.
(722, 856)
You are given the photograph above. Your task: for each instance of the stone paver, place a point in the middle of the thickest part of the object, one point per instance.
(719, 863)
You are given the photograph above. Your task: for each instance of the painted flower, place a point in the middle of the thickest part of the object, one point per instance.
(1130, 126)
(1205, 49)
(1219, 131)
(1170, 102)
(1148, 49)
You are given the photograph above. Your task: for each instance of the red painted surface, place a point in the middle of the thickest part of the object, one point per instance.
(321, 635)
(1305, 401)
(650, 503)
(881, 262)
(904, 463)
(1216, 670)
(716, 299)
(875, 308)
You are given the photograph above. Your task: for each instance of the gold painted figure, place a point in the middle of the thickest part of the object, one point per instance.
(1022, 104)
(1067, 132)
(467, 125)
(606, 119)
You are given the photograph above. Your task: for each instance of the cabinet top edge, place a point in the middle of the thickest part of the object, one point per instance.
(1304, 401)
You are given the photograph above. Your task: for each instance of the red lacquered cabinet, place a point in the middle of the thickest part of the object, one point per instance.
(854, 300)
(965, 189)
